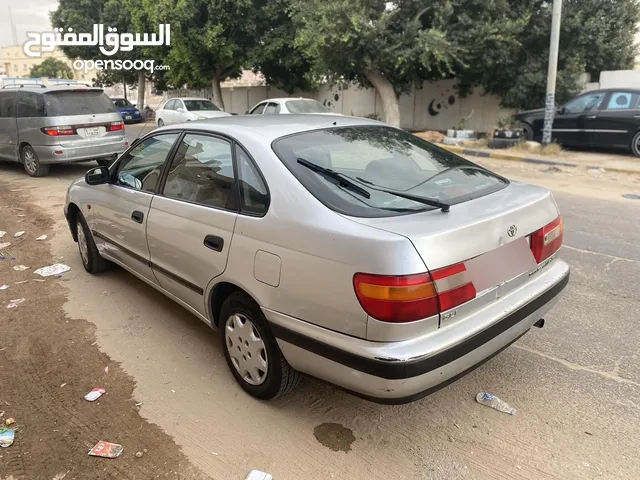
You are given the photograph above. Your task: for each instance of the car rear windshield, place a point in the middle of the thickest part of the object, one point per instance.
(200, 105)
(79, 102)
(376, 158)
(305, 106)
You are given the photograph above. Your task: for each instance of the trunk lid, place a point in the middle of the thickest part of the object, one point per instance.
(489, 234)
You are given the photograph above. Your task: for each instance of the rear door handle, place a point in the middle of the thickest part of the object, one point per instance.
(590, 117)
(637, 117)
(214, 242)
(137, 216)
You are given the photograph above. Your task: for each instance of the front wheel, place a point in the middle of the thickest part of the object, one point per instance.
(160, 122)
(32, 164)
(91, 259)
(635, 145)
(251, 351)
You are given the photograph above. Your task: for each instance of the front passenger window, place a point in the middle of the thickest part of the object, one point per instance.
(140, 168)
(202, 172)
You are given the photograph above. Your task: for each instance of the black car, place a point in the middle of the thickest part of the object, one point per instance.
(598, 118)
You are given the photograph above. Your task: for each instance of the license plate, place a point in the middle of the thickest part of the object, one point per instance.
(92, 132)
(127, 117)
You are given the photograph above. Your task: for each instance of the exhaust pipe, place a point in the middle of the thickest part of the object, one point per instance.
(539, 323)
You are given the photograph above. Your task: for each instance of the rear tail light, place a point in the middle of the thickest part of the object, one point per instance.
(548, 240)
(59, 131)
(407, 298)
(115, 126)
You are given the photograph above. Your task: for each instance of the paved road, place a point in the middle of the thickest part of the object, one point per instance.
(575, 383)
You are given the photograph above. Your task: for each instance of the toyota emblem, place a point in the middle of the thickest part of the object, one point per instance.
(512, 230)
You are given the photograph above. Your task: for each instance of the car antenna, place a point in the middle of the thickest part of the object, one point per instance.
(143, 127)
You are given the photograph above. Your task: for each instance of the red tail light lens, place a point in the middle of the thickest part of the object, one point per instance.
(548, 240)
(115, 126)
(407, 298)
(59, 131)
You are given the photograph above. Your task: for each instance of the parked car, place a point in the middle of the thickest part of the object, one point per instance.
(40, 126)
(180, 110)
(128, 111)
(608, 118)
(276, 106)
(335, 246)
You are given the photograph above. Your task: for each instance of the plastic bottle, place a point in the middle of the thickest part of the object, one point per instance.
(494, 402)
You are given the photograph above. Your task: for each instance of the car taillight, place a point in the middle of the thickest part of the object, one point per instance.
(406, 298)
(59, 131)
(115, 126)
(548, 240)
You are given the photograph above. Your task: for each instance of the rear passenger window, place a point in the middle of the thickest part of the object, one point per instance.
(7, 104)
(253, 191)
(30, 105)
(202, 172)
(622, 101)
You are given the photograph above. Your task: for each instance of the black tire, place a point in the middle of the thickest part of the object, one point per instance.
(635, 147)
(527, 131)
(92, 261)
(280, 376)
(31, 162)
(160, 123)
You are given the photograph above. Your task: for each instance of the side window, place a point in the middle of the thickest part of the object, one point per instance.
(259, 109)
(253, 191)
(7, 104)
(622, 101)
(140, 168)
(170, 105)
(202, 172)
(30, 104)
(585, 103)
(272, 109)
(178, 105)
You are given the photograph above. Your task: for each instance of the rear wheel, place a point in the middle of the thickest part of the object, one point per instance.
(251, 351)
(31, 162)
(91, 259)
(528, 131)
(635, 145)
(160, 123)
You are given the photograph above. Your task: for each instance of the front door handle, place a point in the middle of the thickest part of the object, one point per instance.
(137, 217)
(214, 242)
(590, 117)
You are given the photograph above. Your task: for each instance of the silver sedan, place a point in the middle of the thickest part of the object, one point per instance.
(333, 246)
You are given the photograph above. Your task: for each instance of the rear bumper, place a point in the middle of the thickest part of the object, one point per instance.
(400, 372)
(81, 153)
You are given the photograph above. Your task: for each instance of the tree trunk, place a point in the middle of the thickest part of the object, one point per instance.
(390, 103)
(142, 85)
(217, 91)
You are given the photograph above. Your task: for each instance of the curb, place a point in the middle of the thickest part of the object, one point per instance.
(537, 161)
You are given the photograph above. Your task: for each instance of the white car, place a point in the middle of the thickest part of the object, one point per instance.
(276, 106)
(180, 110)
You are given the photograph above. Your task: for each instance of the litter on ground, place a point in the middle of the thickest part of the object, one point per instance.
(55, 269)
(4, 245)
(258, 475)
(10, 421)
(20, 268)
(18, 234)
(15, 303)
(106, 449)
(41, 237)
(4, 286)
(2, 233)
(94, 394)
(6, 437)
(494, 402)
(106, 370)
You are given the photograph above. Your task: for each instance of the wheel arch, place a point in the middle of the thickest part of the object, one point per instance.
(219, 293)
(72, 215)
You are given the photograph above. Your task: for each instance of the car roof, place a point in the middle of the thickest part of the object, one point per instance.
(189, 98)
(618, 89)
(53, 88)
(284, 99)
(270, 127)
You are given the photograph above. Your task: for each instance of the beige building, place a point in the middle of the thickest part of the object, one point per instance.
(18, 65)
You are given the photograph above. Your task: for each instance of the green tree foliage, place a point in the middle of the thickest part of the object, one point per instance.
(52, 68)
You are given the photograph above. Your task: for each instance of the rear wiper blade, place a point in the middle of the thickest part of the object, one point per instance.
(416, 198)
(328, 173)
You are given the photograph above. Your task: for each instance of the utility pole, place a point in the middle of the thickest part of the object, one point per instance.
(14, 35)
(550, 104)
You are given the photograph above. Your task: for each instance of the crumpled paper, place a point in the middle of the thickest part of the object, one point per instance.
(55, 269)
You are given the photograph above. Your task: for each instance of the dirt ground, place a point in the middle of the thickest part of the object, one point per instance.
(49, 361)
(576, 418)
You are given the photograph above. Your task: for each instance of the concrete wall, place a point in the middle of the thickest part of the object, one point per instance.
(620, 79)
(434, 106)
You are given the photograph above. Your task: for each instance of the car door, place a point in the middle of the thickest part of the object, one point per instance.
(572, 121)
(258, 109)
(180, 112)
(168, 112)
(617, 121)
(191, 221)
(8, 125)
(121, 208)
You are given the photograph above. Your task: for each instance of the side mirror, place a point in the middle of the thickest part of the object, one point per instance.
(562, 111)
(246, 111)
(180, 109)
(97, 176)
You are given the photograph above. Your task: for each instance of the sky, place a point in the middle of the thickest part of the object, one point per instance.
(28, 16)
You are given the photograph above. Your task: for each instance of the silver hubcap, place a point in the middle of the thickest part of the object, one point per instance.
(82, 244)
(30, 161)
(246, 349)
